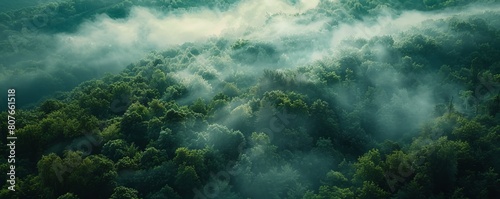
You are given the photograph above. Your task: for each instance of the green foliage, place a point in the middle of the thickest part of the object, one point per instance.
(124, 193)
(248, 52)
(166, 141)
(116, 149)
(68, 196)
(165, 192)
(336, 178)
(369, 168)
(90, 176)
(469, 131)
(159, 80)
(175, 116)
(230, 90)
(94, 177)
(51, 106)
(50, 169)
(393, 112)
(187, 157)
(291, 101)
(227, 142)
(276, 183)
(111, 132)
(199, 106)
(263, 152)
(127, 163)
(398, 161)
(185, 179)
(133, 124)
(371, 190)
(330, 192)
(176, 91)
(156, 108)
(151, 157)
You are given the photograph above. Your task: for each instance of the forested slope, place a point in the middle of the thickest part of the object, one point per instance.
(341, 99)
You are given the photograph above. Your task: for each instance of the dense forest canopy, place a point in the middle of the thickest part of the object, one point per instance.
(255, 99)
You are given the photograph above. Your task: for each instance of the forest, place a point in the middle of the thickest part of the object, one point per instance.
(242, 99)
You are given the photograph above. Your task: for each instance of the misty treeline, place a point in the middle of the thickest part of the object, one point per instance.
(380, 99)
(36, 37)
(30, 48)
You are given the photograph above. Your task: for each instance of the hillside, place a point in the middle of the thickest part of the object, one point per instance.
(252, 99)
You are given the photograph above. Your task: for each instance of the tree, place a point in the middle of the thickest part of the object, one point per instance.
(240, 118)
(325, 120)
(336, 178)
(369, 168)
(122, 192)
(278, 182)
(155, 126)
(157, 108)
(167, 141)
(149, 180)
(293, 140)
(152, 157)
(371, 190)
(330, 192)
(176, 91)
(187, 157)
(127, 163)
(469, 131)
(111, 132)
(115, 149)
(95, 97)
(32, 187)
(165, 192)
(291, 101)
(94, 177)
(159, 80)
(186, 180)
(51, 105)
(52, 170)
(228, 142)
(199, 106)
(230, 90)
(398, 161)
(442, 165)
(263, 154)
(175, 116)
(68, 196)
(133, 124)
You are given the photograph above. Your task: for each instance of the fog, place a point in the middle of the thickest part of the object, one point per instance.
(103, 44)
(295, 32)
